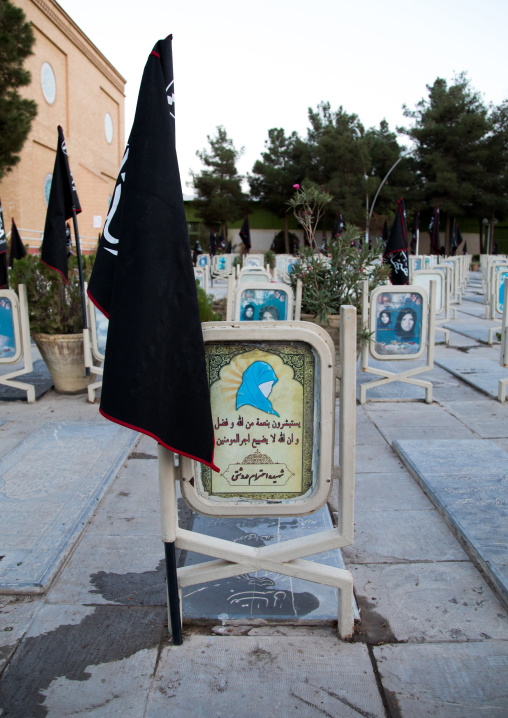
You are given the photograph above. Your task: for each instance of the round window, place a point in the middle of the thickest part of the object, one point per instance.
(47, 187)
(108, 127)
(48, 83)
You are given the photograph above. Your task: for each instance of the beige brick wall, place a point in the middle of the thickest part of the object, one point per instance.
(87, 87)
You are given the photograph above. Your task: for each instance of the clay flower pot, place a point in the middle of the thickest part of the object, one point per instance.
(63, 355)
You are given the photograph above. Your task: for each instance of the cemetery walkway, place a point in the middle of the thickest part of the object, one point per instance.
(82, 595)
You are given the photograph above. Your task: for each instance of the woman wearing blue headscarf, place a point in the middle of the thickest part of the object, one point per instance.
(257, 383)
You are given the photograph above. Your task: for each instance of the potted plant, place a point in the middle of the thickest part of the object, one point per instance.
(55, 315)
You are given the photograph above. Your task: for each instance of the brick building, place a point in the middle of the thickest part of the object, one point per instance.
(76, 87)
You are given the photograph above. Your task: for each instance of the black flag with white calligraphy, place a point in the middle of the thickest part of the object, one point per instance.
(396, 250)
(4, 274)
(338, 226)
(63, 203)
(435, 242)
(154, 373)
(18, 250)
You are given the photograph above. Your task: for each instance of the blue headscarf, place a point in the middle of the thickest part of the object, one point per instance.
(249, 392)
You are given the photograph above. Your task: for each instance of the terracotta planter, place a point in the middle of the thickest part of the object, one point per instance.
(63, 355)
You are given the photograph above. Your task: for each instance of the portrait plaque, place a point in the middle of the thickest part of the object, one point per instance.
(398, 321)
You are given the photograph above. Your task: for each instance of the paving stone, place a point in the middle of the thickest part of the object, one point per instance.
(56, 477)
(482, 374)
(370, 458)
(270, 677)
(16, 614)
(427, 602)
(79, 660)
(486, 418)
(473, 330)
(127, 570)
(468, 482)
(388, 492)
(449, 680)
(394, 390)
(396, 536)
(262, 594)
(472, 310)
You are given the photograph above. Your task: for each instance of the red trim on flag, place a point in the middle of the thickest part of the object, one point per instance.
(156, 54)
(149, 433)
(56, 270)
(96, 304)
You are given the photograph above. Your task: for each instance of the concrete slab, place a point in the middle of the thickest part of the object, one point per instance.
(486, 418)
(388, 492)
(473, 330)
(482, 374)
(125, 570)
(467, 481)
(262, 594)
(50, 485)
(427, 602)
(396, 536)
(78, 660)
(445, 679)
(16, 614)
(369, 459)
(262, 677)
(39, 378)
(472, 310)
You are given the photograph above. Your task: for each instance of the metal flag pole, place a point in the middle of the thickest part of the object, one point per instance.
(81, 279)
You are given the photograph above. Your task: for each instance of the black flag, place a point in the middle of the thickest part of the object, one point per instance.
(456, 238)
(4, 274)
(435, 243)
(154, 373)
(63, 203)
(212, 244)
(395, 253)
(245, 234)
(414, 233)
(386, 233)
(338, 226)
(18, 250)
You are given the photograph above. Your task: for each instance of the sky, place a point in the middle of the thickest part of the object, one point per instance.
(250, 66)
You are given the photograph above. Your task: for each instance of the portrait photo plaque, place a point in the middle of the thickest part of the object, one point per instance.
(10, 341)
(256, 303)
(398, 321)
(423, 279)
(273, 445)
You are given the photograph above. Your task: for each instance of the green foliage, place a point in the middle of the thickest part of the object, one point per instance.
(219, 195)
(449, 131)
(269, 258)
(206, 313)
(53, 306)
(279, 244)
(16, 112)
(308, 204)
(329, 282)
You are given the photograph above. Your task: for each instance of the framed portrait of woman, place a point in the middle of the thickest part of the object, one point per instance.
(398, 322)
(255, 303)
(10, 340)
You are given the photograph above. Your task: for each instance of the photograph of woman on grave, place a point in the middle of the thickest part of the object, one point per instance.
(248, 313)
(269, 314)
(405, 326)
(7, 341)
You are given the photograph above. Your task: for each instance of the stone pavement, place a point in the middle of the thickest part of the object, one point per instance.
(432, 639)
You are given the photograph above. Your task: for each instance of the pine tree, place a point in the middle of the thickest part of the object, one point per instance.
(449, 131)
(16, 112)
(275, 174)
(220, 198)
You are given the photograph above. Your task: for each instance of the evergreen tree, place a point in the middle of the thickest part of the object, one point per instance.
(449, 132)
(275, 174)
(339, 159)
(16, 113)
(220, 198)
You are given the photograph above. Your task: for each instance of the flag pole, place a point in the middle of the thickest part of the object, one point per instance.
(81, 279)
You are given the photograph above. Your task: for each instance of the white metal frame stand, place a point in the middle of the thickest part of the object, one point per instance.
(407, 377)
(21, 322)
(503, 360)
(287, 558)
(91, 349)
